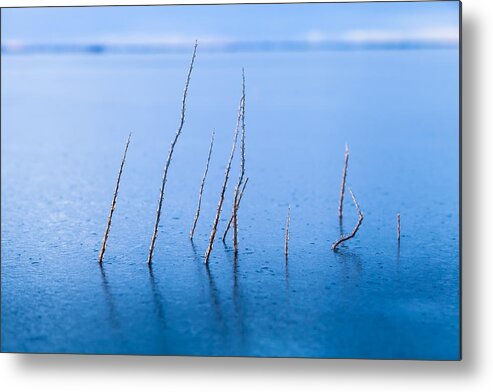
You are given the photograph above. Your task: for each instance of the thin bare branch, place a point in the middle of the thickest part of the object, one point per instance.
(343, 184)
(201, 191)
(356, 228)
(286, 241)
(231, 218)
(113, 202)
(225, 184)
(170, 155)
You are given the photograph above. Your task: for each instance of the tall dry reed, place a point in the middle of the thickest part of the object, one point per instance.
(343, 184)
(170, 155)
(201, 191)
(224, 186)
(113, 202)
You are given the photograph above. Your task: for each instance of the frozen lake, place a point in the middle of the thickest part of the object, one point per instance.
(65, 119)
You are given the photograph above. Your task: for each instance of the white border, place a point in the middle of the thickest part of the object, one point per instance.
(145, 374)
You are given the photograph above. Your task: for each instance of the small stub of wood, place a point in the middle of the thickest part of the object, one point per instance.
(113, 202)
(398, 226)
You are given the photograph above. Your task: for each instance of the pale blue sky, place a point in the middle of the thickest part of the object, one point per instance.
(438, 19)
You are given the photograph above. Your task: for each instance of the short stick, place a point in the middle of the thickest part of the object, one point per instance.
(113, 203)
(343, 184)
(286, 241)
(201, 191)
(170, 155)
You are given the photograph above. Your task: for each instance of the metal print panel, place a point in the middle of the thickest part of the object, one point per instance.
(271, 180)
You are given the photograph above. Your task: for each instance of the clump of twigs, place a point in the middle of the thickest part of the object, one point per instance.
(225, 184)
(113, 202)
(236, 198)
(286, 240)
(170, 155)
(201, 191)
(343, 184)
(356, 228)
(398, 226)
(231, 218)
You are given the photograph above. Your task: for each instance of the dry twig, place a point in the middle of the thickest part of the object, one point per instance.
(201, 191)
(343, 184)
(170, 155)
(113, 203)
(356, 228)
(231, 218)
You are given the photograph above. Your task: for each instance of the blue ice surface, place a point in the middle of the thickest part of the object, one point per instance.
(64, 124)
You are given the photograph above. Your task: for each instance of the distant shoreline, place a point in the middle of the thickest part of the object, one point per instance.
(232, 47)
